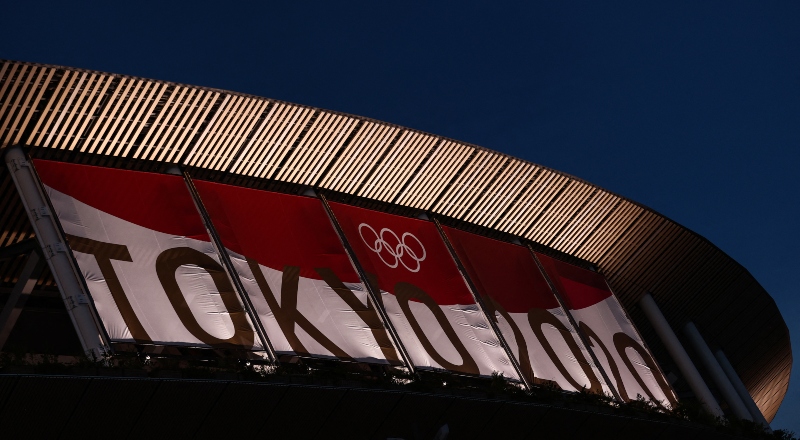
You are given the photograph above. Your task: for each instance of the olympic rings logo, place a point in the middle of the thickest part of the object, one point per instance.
(396, 249)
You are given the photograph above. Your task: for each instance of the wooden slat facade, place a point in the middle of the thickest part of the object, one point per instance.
(117, 118)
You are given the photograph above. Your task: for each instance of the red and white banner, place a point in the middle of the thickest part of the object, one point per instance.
(611, 335)
(423, 292)
(297, 274)
(155, 277)
(146, 257)
(527, 312)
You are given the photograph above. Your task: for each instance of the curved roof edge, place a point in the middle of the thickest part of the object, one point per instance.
(638, 249)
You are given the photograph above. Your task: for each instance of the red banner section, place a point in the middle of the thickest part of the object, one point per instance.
(527, 312)
(298, 276)
(423, 292)
(146, 257)
(611, 335)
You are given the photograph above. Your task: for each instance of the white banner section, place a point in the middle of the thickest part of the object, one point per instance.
(297, 274)
(424, 294)
(149, 285)
(610, 334)
(537, 329)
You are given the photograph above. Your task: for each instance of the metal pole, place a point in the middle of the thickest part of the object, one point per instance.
(574, 323)
(19, 294)
(482, 306)
(232, 274)
(736, 381)
(717, 374)
(370, 289)
(679, 355)
(78, 303)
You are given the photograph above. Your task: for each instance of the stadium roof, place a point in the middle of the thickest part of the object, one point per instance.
(117, 120)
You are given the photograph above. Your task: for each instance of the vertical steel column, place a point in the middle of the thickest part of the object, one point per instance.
(67, 276)
(717, 374)
(373, 295)
(736, 381)
(479, 301)
(232, 274)
(19, 294)
(584, 339)
(679, 355)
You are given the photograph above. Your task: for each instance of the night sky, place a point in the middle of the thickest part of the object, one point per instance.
(691, 108)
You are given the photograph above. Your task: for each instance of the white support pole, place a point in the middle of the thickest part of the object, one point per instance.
(679, 355)
(717, 375)
(56, 253)
(736, 381)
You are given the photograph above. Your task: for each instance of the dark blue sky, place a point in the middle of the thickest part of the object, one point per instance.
(691, 108)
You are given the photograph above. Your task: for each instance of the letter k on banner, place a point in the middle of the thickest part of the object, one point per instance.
(297, 274)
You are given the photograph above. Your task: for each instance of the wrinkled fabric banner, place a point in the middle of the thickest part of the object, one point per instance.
(612, 337)
(527, 312)
(423, 292)
(298, 276)
(146, 257)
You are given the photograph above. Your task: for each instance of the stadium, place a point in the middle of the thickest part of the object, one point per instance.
(149, 227)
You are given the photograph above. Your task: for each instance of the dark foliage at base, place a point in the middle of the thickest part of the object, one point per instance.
(223, 366)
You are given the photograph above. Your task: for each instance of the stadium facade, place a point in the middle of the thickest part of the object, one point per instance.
(182, 216)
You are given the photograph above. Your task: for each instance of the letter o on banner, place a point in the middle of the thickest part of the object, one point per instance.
(169, 261)
(404, 293)
(622, 342)
(541, 317)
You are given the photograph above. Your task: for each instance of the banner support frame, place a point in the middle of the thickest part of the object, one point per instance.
(370, 291)
(479, 301)
(53, 243)
(574, 323)
(226, 261)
